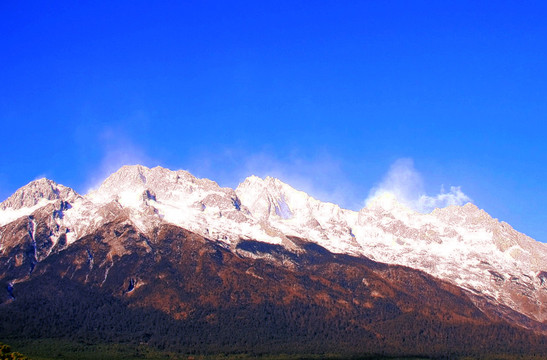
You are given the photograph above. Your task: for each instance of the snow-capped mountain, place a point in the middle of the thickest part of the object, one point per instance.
(463, 245)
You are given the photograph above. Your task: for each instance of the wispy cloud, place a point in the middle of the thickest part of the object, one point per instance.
(453, 197)
(322, 176)
(117, 150)
(40, 176)
(407, 185)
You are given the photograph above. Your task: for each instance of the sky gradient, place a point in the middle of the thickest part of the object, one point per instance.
(330, 97)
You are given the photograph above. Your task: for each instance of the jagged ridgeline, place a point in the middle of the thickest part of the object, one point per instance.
(160, 259)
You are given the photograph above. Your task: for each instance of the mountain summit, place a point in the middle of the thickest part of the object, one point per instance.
(497, 269)
(37, 192)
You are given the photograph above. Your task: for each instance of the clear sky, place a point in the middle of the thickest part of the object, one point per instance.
(337, 98)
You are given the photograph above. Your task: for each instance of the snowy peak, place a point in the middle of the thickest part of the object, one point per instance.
(272, 198)
(38, 191)
(128, 176)
(33, 196)
(506, 239)
(265, 197)
(468, 213)
(295, 213)
(153, 195)
(133, 184)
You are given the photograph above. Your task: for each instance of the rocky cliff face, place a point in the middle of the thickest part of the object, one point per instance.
(267, 243)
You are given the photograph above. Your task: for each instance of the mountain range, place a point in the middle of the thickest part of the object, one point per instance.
(174, 262)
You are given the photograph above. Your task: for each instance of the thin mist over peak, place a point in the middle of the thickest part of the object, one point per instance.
(406, 184)
(328, 181)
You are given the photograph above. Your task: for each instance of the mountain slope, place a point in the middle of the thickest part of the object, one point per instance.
(119, 240)
(177, 290)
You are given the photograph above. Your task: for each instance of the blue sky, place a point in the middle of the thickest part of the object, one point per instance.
(330, 96)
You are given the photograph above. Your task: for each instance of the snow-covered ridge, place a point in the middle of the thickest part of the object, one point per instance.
(37, 192)
(461, 244)
(33, 196)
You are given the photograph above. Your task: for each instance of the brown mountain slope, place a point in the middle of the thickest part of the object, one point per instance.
(173, 289)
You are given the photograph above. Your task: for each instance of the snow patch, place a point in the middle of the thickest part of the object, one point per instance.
(8, 215)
